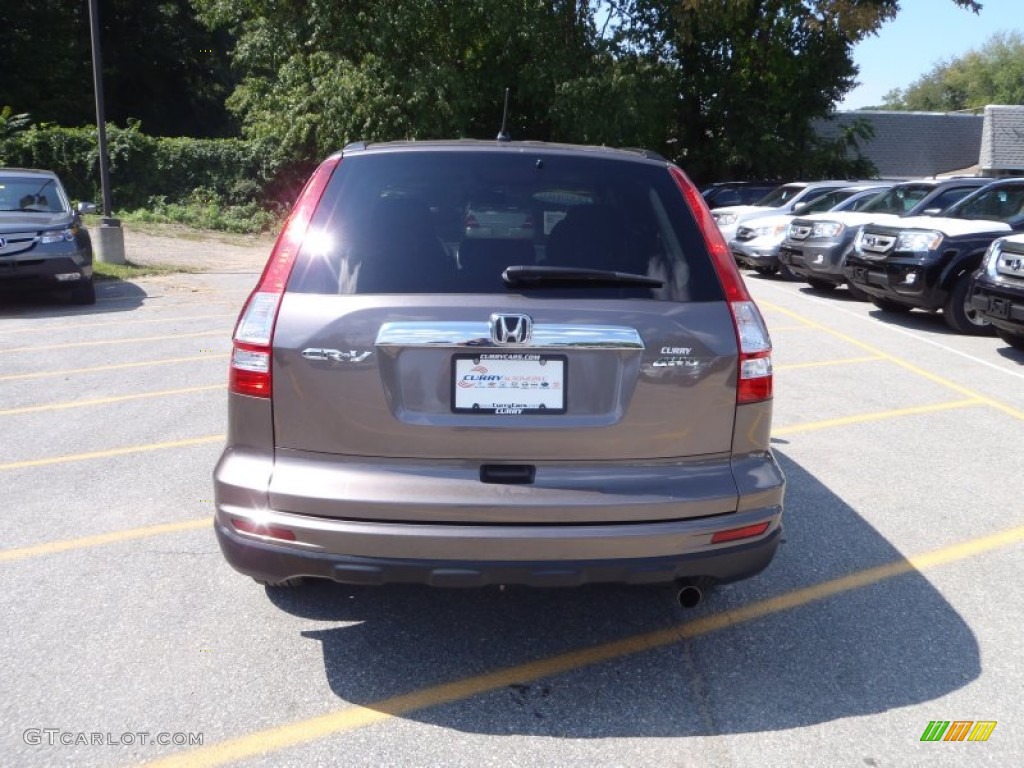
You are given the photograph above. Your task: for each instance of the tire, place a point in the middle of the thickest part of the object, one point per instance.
(857, 293)
(84, 294)
(959, 316)
(1015, 340)
(286, 584)
(886, 305)
(766, 271)
(821, 285)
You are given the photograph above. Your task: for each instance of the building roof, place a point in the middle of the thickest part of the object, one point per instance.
(1002, 139)
(914, 144)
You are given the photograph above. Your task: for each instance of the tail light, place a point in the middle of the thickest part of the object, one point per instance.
(753, 342)
(250, 371)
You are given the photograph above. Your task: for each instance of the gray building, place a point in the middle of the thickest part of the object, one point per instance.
(1002, 141)
(909, 144)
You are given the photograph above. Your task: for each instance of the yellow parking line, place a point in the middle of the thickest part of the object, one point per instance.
(111, 367)
(124, 321)
(823, 363)
(53, 547)
(281, 737)
(112, 452)
(103, 342)
(861, 418)
(108, 400)
(801, 327)
(906, 365)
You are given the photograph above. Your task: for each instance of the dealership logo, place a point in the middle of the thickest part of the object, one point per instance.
(511, 329)
(958, 730)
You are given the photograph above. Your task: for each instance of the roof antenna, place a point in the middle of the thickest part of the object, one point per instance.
(503, 133)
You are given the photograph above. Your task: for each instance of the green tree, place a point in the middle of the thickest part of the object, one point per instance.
(993, 74)
(749, 76)
(160, 65)
(318, 75)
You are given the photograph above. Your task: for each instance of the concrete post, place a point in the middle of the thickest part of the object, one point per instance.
(108, 241)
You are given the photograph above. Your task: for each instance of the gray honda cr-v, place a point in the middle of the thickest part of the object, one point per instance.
(585, 397)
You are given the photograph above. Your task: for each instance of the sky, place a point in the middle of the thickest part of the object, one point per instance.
(923, 34)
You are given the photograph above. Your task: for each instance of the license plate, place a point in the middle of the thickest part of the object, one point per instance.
(999, 308)
(509, 384)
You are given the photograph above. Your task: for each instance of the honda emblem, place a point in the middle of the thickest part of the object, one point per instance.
(511, 329)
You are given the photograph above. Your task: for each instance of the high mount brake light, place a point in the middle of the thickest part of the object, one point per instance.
(250, 370)
(755, 347)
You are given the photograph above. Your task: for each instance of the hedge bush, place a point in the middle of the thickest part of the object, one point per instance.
(162, 175)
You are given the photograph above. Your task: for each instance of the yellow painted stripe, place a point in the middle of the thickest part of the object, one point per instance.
(351, 718)
(876, 416)
(905, 364)
(125, 321)
(108, 400)
(112, 367)
(824, 363)
(65, 545)
(801, 327)
(129, 340)
(73, 457)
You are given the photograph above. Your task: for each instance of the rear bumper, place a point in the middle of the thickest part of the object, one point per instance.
(593, 549)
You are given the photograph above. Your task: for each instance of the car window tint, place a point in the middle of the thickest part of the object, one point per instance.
(31, 194)
(1001, 203)
(438, 221)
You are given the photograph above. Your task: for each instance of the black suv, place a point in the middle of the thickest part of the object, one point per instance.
(997, 289)
(816, 246)
(927, 262)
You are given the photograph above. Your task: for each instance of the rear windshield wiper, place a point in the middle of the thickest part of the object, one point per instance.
(522, 274)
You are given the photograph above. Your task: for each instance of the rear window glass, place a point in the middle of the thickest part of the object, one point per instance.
(437, 221)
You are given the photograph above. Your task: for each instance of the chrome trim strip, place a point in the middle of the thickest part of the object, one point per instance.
(474, 335)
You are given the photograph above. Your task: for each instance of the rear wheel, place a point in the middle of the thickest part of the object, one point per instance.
(1015, 340)
(886, 305)
(85, 293)
(960, 315)
(821, 285)
(766, 270)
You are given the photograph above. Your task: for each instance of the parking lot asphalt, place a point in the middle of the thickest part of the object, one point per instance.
(894, 601)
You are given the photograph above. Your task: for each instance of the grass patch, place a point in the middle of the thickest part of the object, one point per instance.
(101, 270)
(209, 213)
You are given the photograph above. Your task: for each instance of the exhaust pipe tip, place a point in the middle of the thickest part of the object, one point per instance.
(690, 592)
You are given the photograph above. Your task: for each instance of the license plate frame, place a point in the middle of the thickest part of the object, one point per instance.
(509, 384)
(999, 308)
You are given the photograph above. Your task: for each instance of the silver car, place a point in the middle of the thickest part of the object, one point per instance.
(412, 404)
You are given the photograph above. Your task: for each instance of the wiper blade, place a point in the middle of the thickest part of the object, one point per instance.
(522, 274)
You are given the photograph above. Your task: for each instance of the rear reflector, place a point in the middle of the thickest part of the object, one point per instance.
(273, 531)
(250, 372)
(745, 532)
(754, 381)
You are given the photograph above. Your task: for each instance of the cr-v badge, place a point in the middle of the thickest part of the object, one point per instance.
(335, 355)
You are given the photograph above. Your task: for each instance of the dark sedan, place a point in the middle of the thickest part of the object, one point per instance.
(43, 244)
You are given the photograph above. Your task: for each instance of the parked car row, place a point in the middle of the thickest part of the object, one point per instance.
(944, 245)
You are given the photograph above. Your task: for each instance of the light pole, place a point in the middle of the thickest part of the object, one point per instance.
(109, 245)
